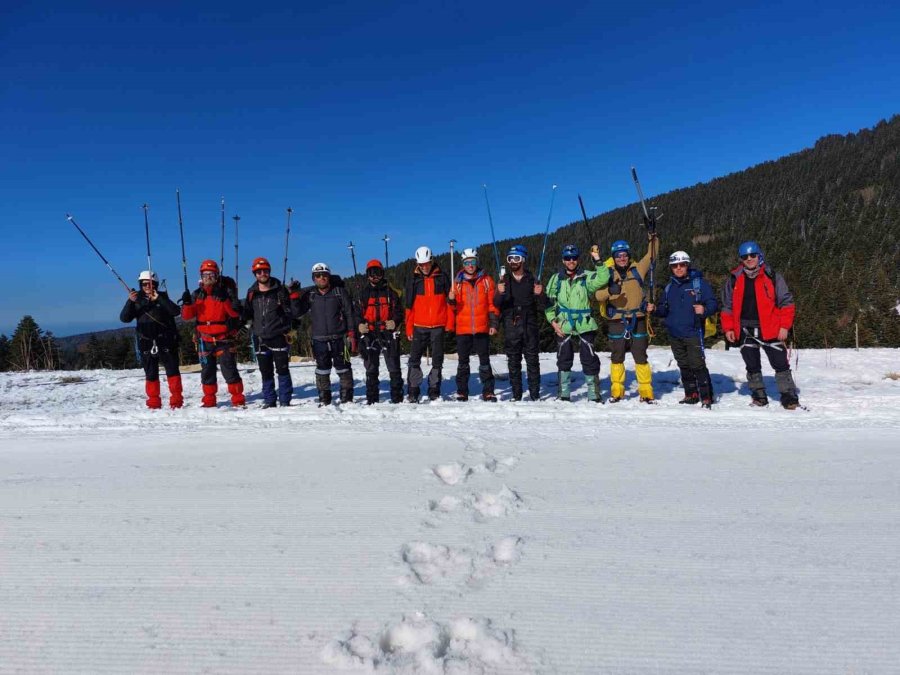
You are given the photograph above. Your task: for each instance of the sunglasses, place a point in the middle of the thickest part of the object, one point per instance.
(747, 256)
(320, 275)
(514, 259)
(146, 283)
(208, 275)
(261, 271)
(375, 272)
(469, 263)
(682, 264)
(570, 258)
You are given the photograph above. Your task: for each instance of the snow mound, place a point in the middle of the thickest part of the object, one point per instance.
(419, 644)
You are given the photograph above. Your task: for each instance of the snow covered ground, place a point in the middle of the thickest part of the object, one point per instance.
(454, 537)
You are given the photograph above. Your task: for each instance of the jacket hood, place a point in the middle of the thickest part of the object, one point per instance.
(435, 270)
(461, 276)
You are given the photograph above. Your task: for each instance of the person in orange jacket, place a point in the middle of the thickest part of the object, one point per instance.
(472, 301)
(427, 318)
(211, 305)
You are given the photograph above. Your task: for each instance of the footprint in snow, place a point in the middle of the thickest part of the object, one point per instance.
(432, 563)
(483, 505)
(457, 472)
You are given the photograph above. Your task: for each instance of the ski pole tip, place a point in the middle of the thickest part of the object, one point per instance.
(554, 186)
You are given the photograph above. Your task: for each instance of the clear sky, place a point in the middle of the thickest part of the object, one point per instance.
(386, 117)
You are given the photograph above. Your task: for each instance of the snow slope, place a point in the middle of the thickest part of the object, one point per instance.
(453, 538)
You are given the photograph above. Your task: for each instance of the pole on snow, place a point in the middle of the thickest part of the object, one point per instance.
(546, 233)
(386, 239)
(147, 237)
(181, 232)
(222, 247)
(97, 251)
(452, 262)
(287, 238)
(236, 219)
(491, 221)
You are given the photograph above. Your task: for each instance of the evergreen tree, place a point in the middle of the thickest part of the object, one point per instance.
(4, 353)
(25, 345)
(95, 355)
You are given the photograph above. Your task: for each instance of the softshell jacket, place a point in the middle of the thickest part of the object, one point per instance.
(570, 299)
(379, 304)
(155, 320)
(473, 305)
(331, 312)
(629, 302)
(211, 307)
(518, 304)
(426, 301)
(676, 305)
(774, 301)
(272, 310)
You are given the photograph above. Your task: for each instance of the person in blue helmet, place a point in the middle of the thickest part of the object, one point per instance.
(520, 297)
(569, 313)
(686, 302)
(757, 315)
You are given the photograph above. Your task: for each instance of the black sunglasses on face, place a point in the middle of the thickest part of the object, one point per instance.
(570, 258)
(320, 275)
(747, 256)
(258, 272)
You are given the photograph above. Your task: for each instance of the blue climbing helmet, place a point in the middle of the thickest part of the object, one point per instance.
(620, 246)
(571, 251)
(749, 247)
(517, 249)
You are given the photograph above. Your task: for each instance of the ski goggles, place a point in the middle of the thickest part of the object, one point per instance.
(748, 256)
(514, 259)
(470, 262)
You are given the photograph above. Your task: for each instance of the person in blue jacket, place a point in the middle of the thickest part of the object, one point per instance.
(686, 302)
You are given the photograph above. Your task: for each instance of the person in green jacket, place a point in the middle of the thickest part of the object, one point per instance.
(569, 292)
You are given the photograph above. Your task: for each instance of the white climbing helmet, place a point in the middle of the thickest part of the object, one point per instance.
(679, 257)
(147, 275)
(321, 267)
(423, 255)
(469, 254)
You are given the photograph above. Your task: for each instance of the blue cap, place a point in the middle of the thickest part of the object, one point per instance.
(517, 249)
(571, 251)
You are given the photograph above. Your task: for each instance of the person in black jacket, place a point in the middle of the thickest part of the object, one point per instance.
(271, 306)
(157, 338)
(331, 310)
(380, 316)
(520, 298)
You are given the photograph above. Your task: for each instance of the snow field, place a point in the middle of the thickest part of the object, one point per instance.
(453, 537)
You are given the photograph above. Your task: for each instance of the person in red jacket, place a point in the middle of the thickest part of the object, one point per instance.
(211, 305)
(380, 316)
(757, 314)
(472, 300)
(427, 318)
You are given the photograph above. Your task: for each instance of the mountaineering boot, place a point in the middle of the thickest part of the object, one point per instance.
(704, 383)
(757, 390)
(788, 390)
(346, 382)
(644, 376)
(209, 395)
(593, 385)
(396, 388)
(515, 381)
(434, 393)
(176, 396)
(434, 385)
(565, 385)
(689, 382)
(486, 375)
(462, 396)
(371, 389)
(236, 389)
(690, 398)
(268, 392)
(707, 403)
(154, 402)
(414, 394)
(488, 396)
(323, 384)
(616, 382)
(285, 389)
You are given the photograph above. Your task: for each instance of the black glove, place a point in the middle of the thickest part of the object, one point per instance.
(237, 306)
(221, 293)
(614, 288)
(294, 286)
(187, 298)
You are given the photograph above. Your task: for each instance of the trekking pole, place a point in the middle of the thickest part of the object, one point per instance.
(584, 219)
(386, 239)
(650, 218)
(181, 232)
(287, 238)
(546, 233)
(491, 221)
(222, 247)
(452, 272)
(147, 237)
(97, 251)
(236, 219)
(355, 273)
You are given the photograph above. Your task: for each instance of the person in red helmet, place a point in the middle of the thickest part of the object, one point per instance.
(212, 307)
(380, 316)
(157, 338)
(271, 306)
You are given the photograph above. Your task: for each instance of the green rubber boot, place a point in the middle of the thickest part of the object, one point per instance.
(565, 385)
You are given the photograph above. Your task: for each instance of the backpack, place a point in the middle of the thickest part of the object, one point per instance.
(710, 323)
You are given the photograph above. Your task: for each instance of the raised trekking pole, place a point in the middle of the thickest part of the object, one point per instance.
(287, 238)
(491, 221)
(452, 271)
(352, 249)
(584, 219)
(236, 219)
(97, 251)
(147, 237)
(386, 239)
(181, 232)
(222, 242)
(546, 233)
(650, 218)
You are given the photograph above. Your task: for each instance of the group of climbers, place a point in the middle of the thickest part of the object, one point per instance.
(757, 311)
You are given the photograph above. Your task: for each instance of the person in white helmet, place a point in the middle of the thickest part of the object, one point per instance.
(331, 310)
(686, 302)
(157, 338)
(428, 318)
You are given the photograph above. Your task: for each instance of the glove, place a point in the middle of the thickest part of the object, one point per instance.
(220, 293)
(294, 287)
(614, 288)
(187, 298)
(363, 328)
(595, 253)
(237, 306)
(390, 324)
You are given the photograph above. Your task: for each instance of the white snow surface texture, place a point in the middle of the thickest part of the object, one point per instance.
(455, 538)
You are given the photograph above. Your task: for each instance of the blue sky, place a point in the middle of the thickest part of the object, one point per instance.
(372, 118)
